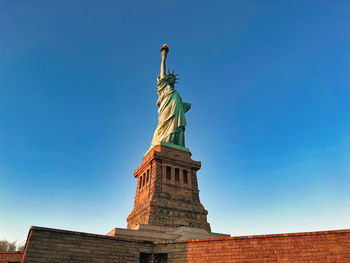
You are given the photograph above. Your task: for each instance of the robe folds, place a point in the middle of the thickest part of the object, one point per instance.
(171, 115)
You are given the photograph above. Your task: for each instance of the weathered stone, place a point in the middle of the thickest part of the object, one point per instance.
(172, 201)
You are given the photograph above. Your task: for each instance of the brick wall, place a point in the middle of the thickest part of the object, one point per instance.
(10, 256)
(325, 246)
(177, 251)
(52, 245)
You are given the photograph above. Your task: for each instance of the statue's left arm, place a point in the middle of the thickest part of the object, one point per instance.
(186, 106)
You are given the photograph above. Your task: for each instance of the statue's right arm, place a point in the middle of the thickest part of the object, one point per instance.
(162, 65)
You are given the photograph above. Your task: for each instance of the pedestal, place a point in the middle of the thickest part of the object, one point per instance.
(167, 191)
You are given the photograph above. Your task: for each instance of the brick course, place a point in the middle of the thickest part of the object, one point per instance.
(325, 246)
(10, 256)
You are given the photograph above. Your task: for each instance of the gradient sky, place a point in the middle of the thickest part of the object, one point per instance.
(269, 84)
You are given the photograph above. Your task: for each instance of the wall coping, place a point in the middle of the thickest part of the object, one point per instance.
(314, 233)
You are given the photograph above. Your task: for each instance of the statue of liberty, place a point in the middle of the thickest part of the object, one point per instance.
(171, 113)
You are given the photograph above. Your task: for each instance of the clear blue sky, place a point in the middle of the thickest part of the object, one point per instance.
(269, 84)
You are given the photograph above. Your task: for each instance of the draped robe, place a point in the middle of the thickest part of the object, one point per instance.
(171, 115)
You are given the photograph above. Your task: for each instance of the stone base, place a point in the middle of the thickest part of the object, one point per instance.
(167, 191)
(163, 233)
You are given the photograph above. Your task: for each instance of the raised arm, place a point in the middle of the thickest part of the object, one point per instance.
(164, 50)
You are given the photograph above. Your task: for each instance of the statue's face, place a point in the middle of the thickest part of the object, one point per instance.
(171, 80)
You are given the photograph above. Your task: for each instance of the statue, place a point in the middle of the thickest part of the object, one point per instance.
(171, 113)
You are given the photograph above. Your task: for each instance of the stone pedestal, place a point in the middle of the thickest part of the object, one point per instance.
(167, 191)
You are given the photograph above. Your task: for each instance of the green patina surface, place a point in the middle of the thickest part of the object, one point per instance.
(175, 146)
(170, 130)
